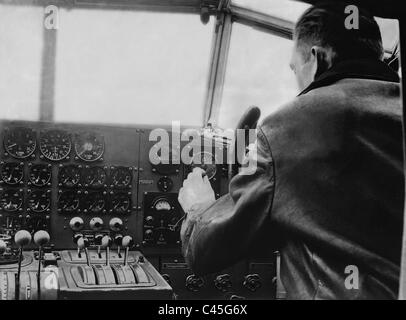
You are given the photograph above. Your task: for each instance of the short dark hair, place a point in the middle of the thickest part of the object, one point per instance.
(323, 25)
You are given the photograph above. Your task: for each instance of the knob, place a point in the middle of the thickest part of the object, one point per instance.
(118, 239)
(149, 234)
(41, 238)
(127, 242)
(76, 223)
(22, 238)
(223, 282)
(98, 239)
(116, 224)
(76, 237)
(149, 220)
(96, 224)
(82, 243)
(106, 241)
(3, 247)
(252, 282)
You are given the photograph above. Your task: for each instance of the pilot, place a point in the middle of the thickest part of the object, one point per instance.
(328, 188)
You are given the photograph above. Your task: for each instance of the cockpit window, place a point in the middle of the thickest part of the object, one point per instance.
(257, 73)
(131, 67)
(21, 42)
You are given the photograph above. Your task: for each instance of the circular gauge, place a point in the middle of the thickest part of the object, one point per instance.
(39, 201)
(205, 161)
(12, 173)
(40, 175)
(165, 184)
(89, 146)
(162, 204)
(68, 201)
(121, 177)
(20, 143)
(55, 145)
(94, 202)
(11, 200)
(69, 176)
(120, 203)
(166, 158)
(94, 177)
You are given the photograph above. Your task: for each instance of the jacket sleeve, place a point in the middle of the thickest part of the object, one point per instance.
(218, 236)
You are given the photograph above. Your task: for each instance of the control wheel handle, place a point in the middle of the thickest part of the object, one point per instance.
(41, 238)
(22, 238)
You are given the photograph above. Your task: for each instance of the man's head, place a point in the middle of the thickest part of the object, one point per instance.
(321, 39)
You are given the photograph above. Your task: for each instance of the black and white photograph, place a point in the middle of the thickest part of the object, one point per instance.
(200, 155)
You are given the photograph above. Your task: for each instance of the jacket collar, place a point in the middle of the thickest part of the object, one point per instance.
(359, 69)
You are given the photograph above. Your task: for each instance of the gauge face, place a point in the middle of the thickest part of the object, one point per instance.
(162, 204)
(120, 203)
(94, 177)
(39, 201)
(165, 184)
(55, 145)
(40, 175)
(68, 201)
(69, 176)
(121, 177)
(94, 202)
(20, 143)
(89, 146)
(165, 158)
(11, 200)
(205, 161)
(12, 173)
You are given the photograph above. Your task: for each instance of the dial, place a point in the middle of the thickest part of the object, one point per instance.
(120, 202)
(162, 204)
(69, 176)
(68, 201)
(121, 177)
(89, 146)
(94, 177)
(166, 157)
(20, 143)
(94, 202)
(55, 145)
(205, 161)
(12, 173)
(165, 184)
(11, 200)
(39, 201)
(40, 174)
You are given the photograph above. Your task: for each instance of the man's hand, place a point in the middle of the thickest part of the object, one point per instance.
(196, 191)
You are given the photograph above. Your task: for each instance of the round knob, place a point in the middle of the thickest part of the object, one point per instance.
(118, 239)
(82, 243)
(127, 242)
(149, 220)
(96, 224)
(41, 238)
(98, 238)
(106, 241)
(116, 224)
(76, 237)
(22, 238)
(76, 223)
(3, 246)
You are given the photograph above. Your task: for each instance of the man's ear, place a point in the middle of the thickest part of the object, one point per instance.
(321, 62)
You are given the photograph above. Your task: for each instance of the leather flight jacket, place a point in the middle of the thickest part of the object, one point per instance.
(328, 191)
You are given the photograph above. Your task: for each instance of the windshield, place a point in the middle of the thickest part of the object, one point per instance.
(129, 66)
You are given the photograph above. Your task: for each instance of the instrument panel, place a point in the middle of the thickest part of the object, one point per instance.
(90, 181)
